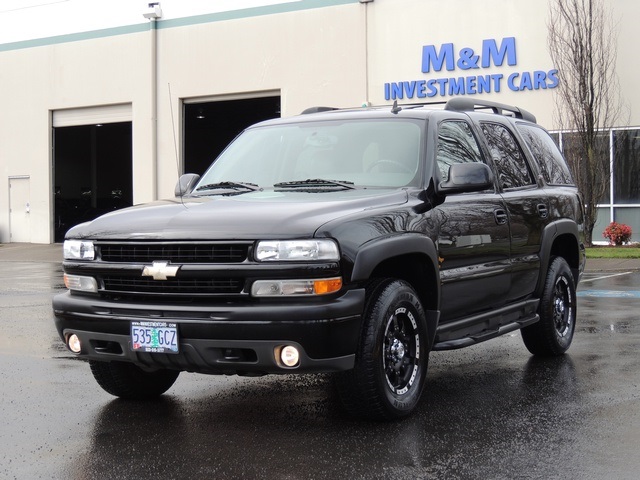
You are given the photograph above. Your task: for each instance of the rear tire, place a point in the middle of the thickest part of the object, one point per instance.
(391, 361)
(126, 380)
(553, 334)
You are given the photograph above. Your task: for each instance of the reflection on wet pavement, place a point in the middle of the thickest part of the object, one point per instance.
(489, 411)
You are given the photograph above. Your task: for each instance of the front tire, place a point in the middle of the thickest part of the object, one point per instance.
(126, 380)
(391, 361)
(553, 334)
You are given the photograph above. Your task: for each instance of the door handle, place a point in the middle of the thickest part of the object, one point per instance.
(500, 216)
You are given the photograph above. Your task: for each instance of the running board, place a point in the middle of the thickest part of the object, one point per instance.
(486, 334)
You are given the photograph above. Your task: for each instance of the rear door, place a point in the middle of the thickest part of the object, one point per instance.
(527, 206)
(473, 241)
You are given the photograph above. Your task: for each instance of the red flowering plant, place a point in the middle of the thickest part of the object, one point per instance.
(617, 233)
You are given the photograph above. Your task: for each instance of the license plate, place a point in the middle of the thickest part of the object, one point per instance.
(154, 337)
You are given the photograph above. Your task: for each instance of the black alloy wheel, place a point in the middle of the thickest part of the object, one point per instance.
(391, 361)
(553, 334)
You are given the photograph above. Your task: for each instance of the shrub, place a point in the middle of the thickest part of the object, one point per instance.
(617, 233)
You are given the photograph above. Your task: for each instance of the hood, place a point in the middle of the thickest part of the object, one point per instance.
(245, 216)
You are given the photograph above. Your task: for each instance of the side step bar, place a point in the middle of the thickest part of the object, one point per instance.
(486, 334)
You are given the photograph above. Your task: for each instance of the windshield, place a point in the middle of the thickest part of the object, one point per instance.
(371, 153)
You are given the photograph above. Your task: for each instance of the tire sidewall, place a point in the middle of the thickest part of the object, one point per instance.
(398, 298)
(559, 271)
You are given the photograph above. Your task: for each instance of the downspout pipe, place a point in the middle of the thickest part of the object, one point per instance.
(153, 13)
(367, 102)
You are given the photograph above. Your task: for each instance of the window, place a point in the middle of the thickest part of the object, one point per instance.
(621, 149)
(552, 166)
(626, 165)
(375, 153)
(574, 152)
(456, 144)
(513, 171)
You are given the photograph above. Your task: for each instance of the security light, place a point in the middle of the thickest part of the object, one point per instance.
(154, 12)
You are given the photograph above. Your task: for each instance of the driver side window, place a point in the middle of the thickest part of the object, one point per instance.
(456, 144)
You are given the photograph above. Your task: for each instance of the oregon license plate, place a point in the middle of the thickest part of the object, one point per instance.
(154, 337)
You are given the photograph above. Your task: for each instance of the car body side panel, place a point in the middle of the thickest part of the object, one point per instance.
(473, 246)
(528, 216)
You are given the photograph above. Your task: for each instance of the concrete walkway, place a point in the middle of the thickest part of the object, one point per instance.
(31, 252)
(34, 252)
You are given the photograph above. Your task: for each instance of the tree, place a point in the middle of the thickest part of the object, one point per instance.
(583, 47)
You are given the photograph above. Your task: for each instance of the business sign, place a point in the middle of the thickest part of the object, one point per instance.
(471, 63)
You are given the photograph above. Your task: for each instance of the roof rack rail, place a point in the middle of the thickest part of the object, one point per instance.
(318, 110)
(421, 104)
(460, 104)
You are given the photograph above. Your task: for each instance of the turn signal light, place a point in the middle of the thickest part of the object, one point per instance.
(278, 288)
(322, 287)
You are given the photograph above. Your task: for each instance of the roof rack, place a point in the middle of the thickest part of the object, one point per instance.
(317, 110)
(460, 104)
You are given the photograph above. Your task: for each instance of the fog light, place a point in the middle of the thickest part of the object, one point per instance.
(289, 356)
(73, 342)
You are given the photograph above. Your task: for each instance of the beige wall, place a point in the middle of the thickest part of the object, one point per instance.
(307, 57)
(70, 75)
(399, 28)
(339, 55)
(397, 57)
(311, 57)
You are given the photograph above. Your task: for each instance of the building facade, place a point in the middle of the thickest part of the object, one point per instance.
(105, 105)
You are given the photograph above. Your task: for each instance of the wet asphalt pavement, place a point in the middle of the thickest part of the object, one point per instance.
(491, 411)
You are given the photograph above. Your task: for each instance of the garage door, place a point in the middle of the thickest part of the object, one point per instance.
(92, 115)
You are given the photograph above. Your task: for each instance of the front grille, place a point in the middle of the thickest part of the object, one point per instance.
(174, 252)
(174, 286)
(118, 283)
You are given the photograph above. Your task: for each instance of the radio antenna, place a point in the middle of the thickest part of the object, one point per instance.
(175, 141)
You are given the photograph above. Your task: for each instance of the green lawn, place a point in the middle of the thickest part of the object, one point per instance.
(613, 252)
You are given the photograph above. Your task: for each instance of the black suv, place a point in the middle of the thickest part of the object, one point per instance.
(349, 241)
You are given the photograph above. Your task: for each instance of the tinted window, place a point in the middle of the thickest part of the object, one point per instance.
(626, 165)
(552, 166)
(456, 144)
(513, 170)
(574, 152)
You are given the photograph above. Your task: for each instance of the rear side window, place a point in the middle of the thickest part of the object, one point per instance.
(553, 168)
(513, 170)
(456, 144)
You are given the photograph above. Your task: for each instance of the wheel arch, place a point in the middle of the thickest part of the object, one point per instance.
(412, 258)
(561, 239)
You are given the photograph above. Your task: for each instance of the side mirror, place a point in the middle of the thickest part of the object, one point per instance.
(186, 183)
(467, 177)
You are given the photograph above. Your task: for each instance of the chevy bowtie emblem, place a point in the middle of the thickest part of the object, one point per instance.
(160, 270)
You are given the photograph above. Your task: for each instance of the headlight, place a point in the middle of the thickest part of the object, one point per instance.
(297, 250)
(78, 250)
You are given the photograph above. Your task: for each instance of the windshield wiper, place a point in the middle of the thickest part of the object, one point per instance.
(316, 183)
(249, 187)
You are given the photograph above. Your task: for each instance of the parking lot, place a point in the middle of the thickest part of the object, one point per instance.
(489, 411)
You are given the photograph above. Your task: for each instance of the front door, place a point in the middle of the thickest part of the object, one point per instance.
(473, 240)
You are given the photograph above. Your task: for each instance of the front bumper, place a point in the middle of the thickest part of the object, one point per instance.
(221, 339)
